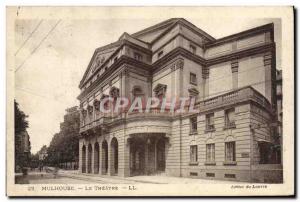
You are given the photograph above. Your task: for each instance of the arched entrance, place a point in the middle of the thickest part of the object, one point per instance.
(90, 150)
(96, 158)
(114, 156)
(147, 154)
(104, 157)
(83, 159)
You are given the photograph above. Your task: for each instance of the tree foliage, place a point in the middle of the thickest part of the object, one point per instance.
(64, 145)
(21, 124)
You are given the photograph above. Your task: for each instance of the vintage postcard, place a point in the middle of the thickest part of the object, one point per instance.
(150, 101)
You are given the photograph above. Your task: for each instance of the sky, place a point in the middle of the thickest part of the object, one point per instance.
(51, 57)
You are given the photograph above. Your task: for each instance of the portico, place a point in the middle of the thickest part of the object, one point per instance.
(147, 153)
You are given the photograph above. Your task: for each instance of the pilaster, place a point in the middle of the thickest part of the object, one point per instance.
(268, 75)
(205, 83)
(234, 70)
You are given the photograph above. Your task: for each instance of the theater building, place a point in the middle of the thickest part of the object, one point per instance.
(233, 79)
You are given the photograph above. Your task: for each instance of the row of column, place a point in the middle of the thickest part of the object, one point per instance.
(100, 160)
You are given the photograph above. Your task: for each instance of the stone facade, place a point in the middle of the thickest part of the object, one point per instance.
(233, 80)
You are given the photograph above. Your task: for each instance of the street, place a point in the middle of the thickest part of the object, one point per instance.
(73, 177)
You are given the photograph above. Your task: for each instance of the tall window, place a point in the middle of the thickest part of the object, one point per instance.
(193, 153)
(138, 56)
(193, 49)
(229, 118)
(210, 153)
(193, 122)
(229, 151)
(210, 122)
(193, 79)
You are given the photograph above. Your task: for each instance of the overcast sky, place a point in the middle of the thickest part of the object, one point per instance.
(51, 63)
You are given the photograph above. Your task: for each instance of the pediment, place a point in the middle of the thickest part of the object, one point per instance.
(98, 58)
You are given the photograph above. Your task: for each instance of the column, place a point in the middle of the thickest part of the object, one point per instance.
(100, 157)
(109, 158)
(80, 157)
(205, 82)
(234, 70)
(93, 160)
(155, 154)
(124, 157)
(146, 158)
(125, 172)
(86, 157)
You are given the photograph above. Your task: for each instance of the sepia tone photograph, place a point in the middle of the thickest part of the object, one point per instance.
(150, 101)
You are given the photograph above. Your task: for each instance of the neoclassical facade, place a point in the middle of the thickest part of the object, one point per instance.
(232, 136)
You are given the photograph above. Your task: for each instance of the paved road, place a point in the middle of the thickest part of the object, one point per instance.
(71, 177)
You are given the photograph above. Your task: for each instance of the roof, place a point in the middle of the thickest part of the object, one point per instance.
(169, 23)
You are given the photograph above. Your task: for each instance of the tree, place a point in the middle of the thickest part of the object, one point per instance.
(21, 124)
(64, 145)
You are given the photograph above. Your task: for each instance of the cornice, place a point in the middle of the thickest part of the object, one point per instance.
(241, 53)
(179, 51)
(159, 64)
(243, 34)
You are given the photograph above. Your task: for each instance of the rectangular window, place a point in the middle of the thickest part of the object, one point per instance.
(193, 174)
(193, 49)
(229, 151)
(229, 118)
(193, 122)
(210, 174)
(160, 54)
(138, 56)
(193, 153)
(210, 153)
(229, 175)
(210, 122)
(193, 79)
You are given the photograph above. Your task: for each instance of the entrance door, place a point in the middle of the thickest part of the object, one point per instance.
(139, 161)
(161, 159)
(147, 155)
(137, 156)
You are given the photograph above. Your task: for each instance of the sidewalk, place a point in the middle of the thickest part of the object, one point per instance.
(140, 179)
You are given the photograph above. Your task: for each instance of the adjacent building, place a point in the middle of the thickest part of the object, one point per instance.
(279, 111)
(233, 79)
(43, 153)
